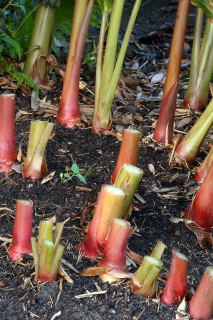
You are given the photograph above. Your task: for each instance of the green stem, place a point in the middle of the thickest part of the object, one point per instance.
(38, 157)
(158, 250)
(144, 279)
(128, 179)
(58, 232)
(196, 47)
(35, 252)
(45, 232)
(100, 57)
(57, 260)
(47, 254)
(189, 146)
(119, 63)
(40, 43)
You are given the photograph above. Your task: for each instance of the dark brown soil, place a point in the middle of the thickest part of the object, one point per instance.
(165, 193)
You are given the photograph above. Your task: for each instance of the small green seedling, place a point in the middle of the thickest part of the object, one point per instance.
(75, 171)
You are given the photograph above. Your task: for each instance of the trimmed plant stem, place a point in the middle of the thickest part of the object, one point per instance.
(128, 179)
(109, 205)
(22, 230)
(47, 252)
(200, 210)
(201, 304)
(35, 163)
(158, 250)
(35, 64)
(45, 232)
(197, 92)
(8, 150)
(144, 279)
(111, 71)
(176, 285)
(69, 110)
(115, 249)
(164, 127)
(189, 146)
(128, 152)
(202, 170)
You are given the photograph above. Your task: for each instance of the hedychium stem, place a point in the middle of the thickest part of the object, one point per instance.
(189, 146)
(128, 179)
(119, 63)
(158, 250)
(45, 232)
(111, 46)
(100, 56)
(109, 80)
(40, 42)
(128, 152)
(144, 279)
(205, 70)
(47, 253)
(69, 109)
(35, 253)
(164, 128)
(57, 261)
(195, 52)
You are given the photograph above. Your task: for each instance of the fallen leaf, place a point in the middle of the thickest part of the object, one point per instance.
(48, 178)
(157, 77)
(151, 168)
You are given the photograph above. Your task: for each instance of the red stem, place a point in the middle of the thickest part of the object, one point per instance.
(201, 210)
(201, 304)
(176, 284)
(69, 110)
(8, 150)
(128, 152)
(163, 131)
(22, 230)
(204, 167)
(116, 246)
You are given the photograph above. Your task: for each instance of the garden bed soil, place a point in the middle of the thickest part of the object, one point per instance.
(163, 194)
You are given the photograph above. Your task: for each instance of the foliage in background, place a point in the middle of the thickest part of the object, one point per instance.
(205, 5)
(16, 26)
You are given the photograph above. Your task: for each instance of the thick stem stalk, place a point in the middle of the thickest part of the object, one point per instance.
(128, 179)
(158, 250)
(128, 152)
(204, 167)
(35, 66)
(164, 127)
(197, 93)
(189, 146)
(69, 111)
(45, 232)
(200, 211)
(201, 304)
(176, 285)
(144, 279)
(8, 150)
(109, 206)
(22, 230)
(115, 249)
(35, 163)
(111, 74)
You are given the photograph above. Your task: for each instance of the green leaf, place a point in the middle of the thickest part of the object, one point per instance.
(81, 178)
(61, 175)
(67, 175)
(75, 168)
(205, 6)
